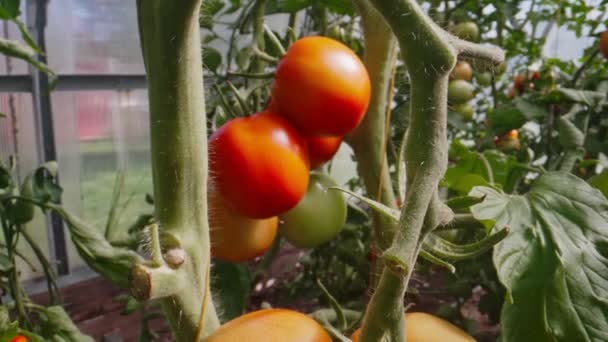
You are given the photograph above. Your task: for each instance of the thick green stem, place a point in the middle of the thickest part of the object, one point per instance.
(171, 47)
(429, 54)
(258, 39)
(370, 138)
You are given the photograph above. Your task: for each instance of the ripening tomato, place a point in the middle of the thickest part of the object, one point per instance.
(237, 238)
(462, 71)
(322, 86)
(319, 216)
(322, 149)
(271, 325)
(509, 141)
(519, 82)
(604, 44)
(422, 327)
(19, 338)
(460, 91)
(259, 164)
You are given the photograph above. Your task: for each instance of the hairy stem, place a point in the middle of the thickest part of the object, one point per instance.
(369, 139)
(170, 38)
(429, 54)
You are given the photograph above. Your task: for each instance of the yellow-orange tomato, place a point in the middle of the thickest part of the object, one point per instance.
(422, 327)
(19, 338)
(604, 44)
(237, 238)
(462, 71)
(322, 86)
(322, 149)
(271, 325)
(259, 164)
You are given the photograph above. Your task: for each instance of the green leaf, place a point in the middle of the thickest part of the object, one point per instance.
(286, 6)
(554, 262)
(59, 326)
(231, 284)
(44, 183)
(9, 9)
(529, 109)
(212, 59)
(593, 99)
(600, 182)
(506, 118)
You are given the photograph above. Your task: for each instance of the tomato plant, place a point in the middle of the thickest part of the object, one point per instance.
(322, 87)
(271, 325)
(259, 164)
(235, 237)
(318, 217)
(422, 327)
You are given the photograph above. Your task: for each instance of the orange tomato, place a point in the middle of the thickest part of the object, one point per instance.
(422, 327)
(462, 71)
(237, 238)
(271, 325)
(322, 149)
(322, 86)
(19, 338)
(259, 164)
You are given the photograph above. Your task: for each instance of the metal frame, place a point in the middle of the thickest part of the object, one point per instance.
(36, 83)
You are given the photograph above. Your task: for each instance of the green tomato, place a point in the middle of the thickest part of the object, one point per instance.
(467, 30)
(465, 110)
(484, 78)
(460, 91)
(318, 217)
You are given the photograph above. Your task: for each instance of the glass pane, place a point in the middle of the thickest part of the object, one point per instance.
(18, 138)
(93, 37)
(97, 134)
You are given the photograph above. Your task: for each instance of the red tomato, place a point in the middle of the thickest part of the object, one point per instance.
(259, 164)
(322, 87)
(322, 149)
(236, 238)
(19, 338)
(271, 325)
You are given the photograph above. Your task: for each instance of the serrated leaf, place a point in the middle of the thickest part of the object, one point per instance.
(554, 263)
(231, 284)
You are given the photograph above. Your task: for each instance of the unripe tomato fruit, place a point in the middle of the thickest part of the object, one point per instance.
(460, 91)
(484, 78)
(422, 327)
(322, 87)
(237, 238)
(604, 44)
(322, 149)
(465, 110)
(271, 325)
(259, 164)
(319, 216)
(462, 71)
(467, 30)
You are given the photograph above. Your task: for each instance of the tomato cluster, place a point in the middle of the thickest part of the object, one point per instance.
(260, 165)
